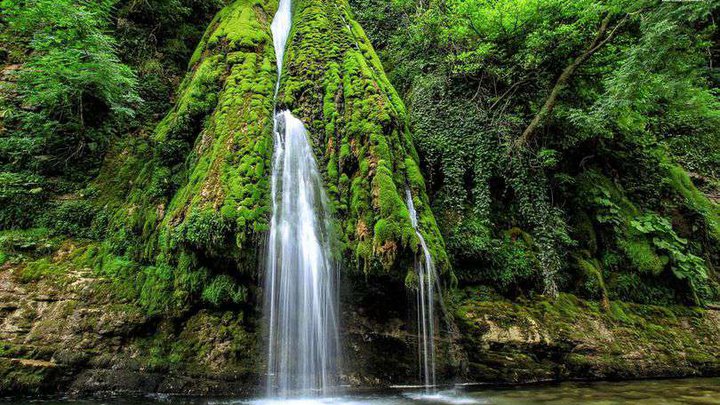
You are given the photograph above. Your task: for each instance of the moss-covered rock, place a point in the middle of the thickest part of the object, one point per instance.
(570, 338)
(196, 200)
(71, 331)
(335, 83)
(196, 210)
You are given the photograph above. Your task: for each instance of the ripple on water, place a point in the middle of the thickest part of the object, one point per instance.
(443, 397)
(323, 401)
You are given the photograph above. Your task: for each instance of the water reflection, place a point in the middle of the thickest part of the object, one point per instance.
(698, 391)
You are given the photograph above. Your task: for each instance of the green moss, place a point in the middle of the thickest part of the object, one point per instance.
(335, 83)
(37, 270)
(680, 182)
(593, 280)
(584, 231)
(643, 255)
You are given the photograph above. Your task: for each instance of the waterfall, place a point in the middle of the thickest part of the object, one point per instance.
(427, 278)
(301, 298)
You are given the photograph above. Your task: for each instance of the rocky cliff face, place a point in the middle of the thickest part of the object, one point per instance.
(569, 338)
(71, 332)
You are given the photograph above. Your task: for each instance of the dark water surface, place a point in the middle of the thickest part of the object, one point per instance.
(650, 392)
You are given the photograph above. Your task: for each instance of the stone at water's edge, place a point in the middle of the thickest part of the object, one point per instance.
(569, 338)
(70, 334)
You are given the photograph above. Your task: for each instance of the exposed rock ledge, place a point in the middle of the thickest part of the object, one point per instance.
(570, 338)
(72, 334)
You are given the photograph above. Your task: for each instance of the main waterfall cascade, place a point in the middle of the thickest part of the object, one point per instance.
(301, 298)
(427, 280)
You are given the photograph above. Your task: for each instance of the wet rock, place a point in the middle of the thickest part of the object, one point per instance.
(568, 338)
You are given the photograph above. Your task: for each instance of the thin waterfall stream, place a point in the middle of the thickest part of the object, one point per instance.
(301, 297)
(426, 290)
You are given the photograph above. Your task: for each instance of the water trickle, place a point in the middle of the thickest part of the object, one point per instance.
(427, 280)
(301, 298)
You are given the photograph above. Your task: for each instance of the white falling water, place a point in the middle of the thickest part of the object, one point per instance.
(281, 25)
(427, 278)
(301, 298)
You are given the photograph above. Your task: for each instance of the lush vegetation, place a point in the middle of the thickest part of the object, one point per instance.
(568, 146)
(175, 208)
(565, 146)
(83, 82)
(78, 75)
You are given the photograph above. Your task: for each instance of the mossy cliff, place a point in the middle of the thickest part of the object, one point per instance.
(335, 83)
(197, 201)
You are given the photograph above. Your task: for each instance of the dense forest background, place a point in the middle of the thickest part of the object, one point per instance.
(567, 146)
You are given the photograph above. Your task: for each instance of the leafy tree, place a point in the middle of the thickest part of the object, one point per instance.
(73, 86)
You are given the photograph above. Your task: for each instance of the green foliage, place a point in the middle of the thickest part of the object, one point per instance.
(73, 80)
(640, 108)
(64, 100)
(514, 263)
(224, 288)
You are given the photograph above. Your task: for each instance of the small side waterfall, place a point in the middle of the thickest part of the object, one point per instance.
(301, 298)
(427, 278)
